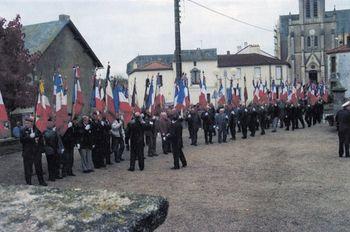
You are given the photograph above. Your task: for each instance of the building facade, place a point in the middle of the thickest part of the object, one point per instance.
(338, 62)
(250, 62)
(303, 39)
(62, 46)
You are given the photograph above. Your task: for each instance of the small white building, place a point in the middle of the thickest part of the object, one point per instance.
(251, 62)
(338, 61)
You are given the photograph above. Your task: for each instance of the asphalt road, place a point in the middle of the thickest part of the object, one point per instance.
(284, 181)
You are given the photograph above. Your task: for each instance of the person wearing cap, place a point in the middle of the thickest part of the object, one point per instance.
(162, 125)
(97, 135)
(106, 146)
(343, 125)
(151, 134)
(194, 123)
(32, 145)
(53, 150)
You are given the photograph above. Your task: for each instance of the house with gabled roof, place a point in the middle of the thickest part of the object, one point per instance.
(61, 46)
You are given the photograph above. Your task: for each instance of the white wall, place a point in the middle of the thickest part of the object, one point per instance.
(342, 68)
(209, 68)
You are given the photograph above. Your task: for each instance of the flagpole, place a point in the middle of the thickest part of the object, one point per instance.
(37, 96)
(74, 82)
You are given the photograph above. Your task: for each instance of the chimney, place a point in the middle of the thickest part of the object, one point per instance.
(239, 48)
(228, 52)
(63, 18)
(245, 44)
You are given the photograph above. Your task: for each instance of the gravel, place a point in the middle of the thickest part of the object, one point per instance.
(284, 181)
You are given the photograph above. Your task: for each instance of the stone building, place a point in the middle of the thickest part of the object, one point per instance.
(302, 39)
(338, 62)
(61, 45)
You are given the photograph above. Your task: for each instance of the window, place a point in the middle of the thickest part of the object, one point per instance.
(195, 76)
(238, 73)
(308, 9)
(194, 63)
(315, 8)
(333, 64)
(257, 72)
(308, 41)
(316, 41)
(278, 72)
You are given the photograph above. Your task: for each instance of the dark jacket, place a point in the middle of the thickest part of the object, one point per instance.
(52, 142)
(343, 120)
(69, 138)
(175, 134)
(135, 132)
(85, 136)
(194, 121)
(31, 148)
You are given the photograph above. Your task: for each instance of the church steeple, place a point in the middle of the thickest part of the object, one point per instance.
(311, 10)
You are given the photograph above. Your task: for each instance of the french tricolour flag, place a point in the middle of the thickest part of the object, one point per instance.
(203, 94)
(3, 117)
(222, 99)
(180, 96)
(77, 96)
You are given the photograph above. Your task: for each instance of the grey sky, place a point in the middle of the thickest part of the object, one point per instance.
(119, 30)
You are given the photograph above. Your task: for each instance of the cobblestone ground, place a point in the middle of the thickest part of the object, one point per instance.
(284, 181)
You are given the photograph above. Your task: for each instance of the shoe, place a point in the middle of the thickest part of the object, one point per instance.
(87, 171)
(185, 165)
(117, 161)
(150, 155)
(206, 143)
(211, 142)
(59, 177)
(52, 179)
(165, 153)
(195, 144)
(71, 174)
(43, 183)
(131, 169)
(244, 137)
(174, 168)
(273, 131)
(155, 154)
(121, 159)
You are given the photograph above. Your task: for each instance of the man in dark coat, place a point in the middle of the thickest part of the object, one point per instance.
(308, 115)
(299, 112)
(175, 136)
(253, 118)
(135, 133)
(208, 125)
(162, 125)
(194, 123)
(98, 138)
(243, 121)
(263, 119)
(32, 144)
(53, 151)
(69, 140)
(106, 150)
(117, 133)
(232, 123)
(151, 134)
(343, 125)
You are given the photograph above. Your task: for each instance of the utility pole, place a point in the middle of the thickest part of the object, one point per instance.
(178, 60)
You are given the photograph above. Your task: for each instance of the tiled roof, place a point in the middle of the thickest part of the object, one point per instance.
(38, 37)
(168, 59)
(253, 59)
(153, 66)
(340, 49)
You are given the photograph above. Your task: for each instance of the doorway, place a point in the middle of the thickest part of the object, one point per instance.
(313, 76)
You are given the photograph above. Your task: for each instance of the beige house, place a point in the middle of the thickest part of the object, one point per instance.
(251, 62)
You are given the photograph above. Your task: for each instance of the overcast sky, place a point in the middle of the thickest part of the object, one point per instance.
(119, 30)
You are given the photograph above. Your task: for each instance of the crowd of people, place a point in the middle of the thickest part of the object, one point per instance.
(99, 141)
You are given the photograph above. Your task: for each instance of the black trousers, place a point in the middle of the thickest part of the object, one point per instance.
(118, 148)
(193, 135)
(301, 120)
(151, 141)
(28, 162)
(343, 142)
(252, 128)
(165, 145)
(107, 153)
(53, 166)
(233, 130)
(244, 130)
(97, 156)
(136, 151)
(308, 119)
(208, 136)
(68, 161)
(178, 156)
(222, 135)
(262, 126)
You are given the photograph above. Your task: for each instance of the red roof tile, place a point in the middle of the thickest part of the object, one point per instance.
(340, 49)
